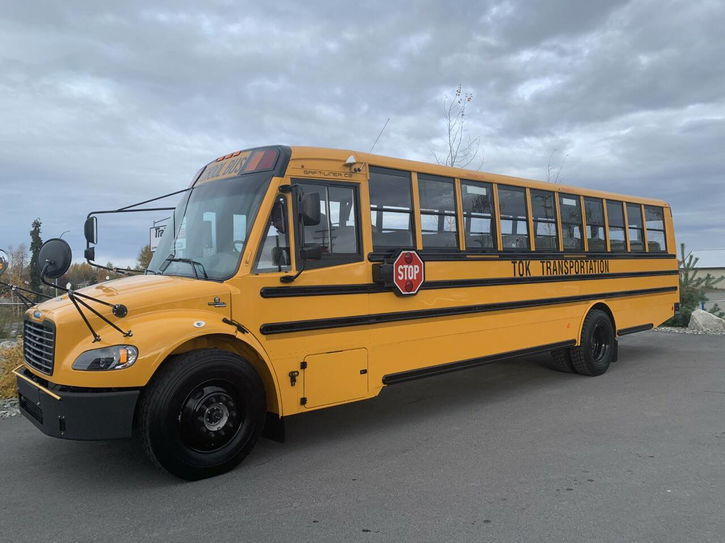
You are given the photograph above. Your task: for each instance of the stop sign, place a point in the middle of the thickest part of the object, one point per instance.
(408, 272)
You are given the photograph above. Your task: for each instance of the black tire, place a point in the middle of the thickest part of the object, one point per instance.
(202, 413)
(598, 345)
(561, 361)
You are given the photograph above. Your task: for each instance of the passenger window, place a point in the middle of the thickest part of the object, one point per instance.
(391, 209)
(478, 217)
(543, 208)
(655, 229)
(571, 221)
(615, 218)
(636, 230)
(514, 227)
(274, 254)
(338, 232)
(594, 211)
(437, 212)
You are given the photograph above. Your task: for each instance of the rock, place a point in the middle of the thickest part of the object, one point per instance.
(706, 322)
(8, 344)
(9, 408)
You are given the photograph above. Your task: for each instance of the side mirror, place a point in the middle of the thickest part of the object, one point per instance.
(310, 209)
(90, 230)
(313, 252)
(279, 256)
(54, 258)
(278, 215)
(3, 262)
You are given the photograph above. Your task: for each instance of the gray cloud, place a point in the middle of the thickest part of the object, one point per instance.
(105, 104)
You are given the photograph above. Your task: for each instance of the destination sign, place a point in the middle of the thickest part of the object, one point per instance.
(229, 166)
(237, 163)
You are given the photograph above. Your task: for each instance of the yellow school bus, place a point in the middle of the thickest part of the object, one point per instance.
(294, 279)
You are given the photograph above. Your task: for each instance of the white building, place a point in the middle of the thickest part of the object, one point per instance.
(713, 262)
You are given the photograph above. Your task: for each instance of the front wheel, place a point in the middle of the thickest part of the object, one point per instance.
(598, 345)
(202, 413)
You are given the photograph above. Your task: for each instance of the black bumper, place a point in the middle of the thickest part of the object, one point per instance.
(82, 414)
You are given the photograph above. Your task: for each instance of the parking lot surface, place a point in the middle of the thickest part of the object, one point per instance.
(506, 452)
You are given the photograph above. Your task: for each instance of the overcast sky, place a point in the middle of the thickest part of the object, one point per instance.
(103, 104)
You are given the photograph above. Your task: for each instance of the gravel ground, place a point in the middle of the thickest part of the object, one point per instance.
(675, 330)
(8, 408)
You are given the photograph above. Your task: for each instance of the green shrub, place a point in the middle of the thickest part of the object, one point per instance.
(692, 289)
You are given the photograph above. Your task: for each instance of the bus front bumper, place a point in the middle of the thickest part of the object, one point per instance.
(81, 414)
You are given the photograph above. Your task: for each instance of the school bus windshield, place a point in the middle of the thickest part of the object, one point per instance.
(210, 228)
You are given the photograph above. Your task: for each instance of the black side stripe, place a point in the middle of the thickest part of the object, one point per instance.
(465, 256)
(321, 290)
(634, 329)
(373, 288)
(430, 371)
(378, 318)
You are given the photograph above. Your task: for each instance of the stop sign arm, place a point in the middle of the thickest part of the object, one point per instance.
(403, 273)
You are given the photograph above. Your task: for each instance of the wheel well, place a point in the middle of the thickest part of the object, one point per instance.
(604, 307)
(233, 345)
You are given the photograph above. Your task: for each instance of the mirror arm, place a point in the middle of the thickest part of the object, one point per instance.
(154, 199)
(122, 271)
(74, 298)
(117, 308)
(290, 278)
(77, 299)
(27, 302)
(16, 289)
(129, 209)
(96, 337)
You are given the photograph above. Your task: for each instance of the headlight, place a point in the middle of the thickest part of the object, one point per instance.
(108, 358)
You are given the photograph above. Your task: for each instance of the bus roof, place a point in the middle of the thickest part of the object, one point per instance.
(341, 155)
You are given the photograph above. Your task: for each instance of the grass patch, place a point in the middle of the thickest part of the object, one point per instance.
(10, 358)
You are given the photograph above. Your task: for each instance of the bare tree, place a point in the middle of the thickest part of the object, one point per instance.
(462, 148)
(553, 174)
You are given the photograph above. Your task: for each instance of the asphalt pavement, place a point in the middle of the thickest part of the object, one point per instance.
(506, 452)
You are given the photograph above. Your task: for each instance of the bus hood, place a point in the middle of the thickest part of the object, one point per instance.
(140, 294)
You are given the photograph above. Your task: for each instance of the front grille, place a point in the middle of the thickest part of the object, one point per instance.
(39, 345)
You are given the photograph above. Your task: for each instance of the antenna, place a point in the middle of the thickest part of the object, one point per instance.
(381, 133)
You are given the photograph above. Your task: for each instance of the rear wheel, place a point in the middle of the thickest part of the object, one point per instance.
(598, 345)
(561, 361)
(202, 413)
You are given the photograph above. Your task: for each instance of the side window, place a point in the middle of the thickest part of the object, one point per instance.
(437, 212)
(655, 229)
(338, 232)
(274, 253)
(636, 229)
(478, 218)
(615, 217)
(571, 221)
(543, 208)
(594, 211)
(391, 209)
(514, 228)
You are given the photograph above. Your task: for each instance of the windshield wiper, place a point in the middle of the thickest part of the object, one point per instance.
(194, 263)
